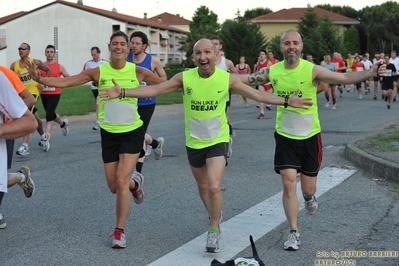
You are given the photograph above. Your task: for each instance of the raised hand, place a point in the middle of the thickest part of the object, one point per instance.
(297, 102)
(33, 70)
(111, 93)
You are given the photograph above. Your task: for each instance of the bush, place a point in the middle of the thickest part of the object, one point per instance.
(173, 70)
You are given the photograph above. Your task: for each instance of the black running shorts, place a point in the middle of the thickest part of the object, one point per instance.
(113, 144)
(197, 157)
(303, 155)
(145, 112)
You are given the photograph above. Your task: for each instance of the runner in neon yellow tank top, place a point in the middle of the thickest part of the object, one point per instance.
(122, 134)
(31, 85)
(207, 133)
(298, 140)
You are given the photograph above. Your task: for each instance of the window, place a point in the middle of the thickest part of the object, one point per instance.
(56, 43)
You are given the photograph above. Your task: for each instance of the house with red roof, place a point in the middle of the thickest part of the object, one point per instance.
(275, 23)
(73, 28)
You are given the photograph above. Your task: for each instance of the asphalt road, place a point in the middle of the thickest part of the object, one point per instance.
(69, 219)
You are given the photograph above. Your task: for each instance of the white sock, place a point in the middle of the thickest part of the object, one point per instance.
(23, 177)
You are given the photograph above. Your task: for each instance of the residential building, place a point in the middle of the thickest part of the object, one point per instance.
(275, 23)
(73, 28)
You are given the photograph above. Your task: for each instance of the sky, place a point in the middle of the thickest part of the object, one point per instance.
(224, 9)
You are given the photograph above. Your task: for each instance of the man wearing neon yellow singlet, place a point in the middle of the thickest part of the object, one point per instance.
(297, 136)
(19, 67)
(122, 134)
(207, 133)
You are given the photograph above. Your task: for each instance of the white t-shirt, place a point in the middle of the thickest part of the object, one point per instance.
(395, 62)
(367, 64)
(93, 64)
(223, 65)
(11, 107)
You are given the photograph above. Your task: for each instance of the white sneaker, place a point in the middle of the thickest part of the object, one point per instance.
(333, 107)
(65, 129)
(23, 151)
(158, 151)
(45, 143)
(360, 97)
(96, 126)
(327, 104)
(138, 194)
(311, 205)
(230, 148)
(293, 241)
(148, 150)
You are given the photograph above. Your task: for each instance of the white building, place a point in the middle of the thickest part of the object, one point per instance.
(74, 28)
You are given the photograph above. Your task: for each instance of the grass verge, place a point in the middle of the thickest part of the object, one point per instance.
(79, 100)
(387, 141)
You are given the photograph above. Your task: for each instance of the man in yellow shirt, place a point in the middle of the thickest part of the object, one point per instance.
(19, 67)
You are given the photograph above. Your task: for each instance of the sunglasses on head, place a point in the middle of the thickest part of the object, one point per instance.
(21, 48)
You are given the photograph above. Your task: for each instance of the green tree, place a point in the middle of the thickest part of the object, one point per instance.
(308, 23)
(319, 35)
(351, 41)
(274, 45)
(373, 20)
(204, 25)
(253, 13)
(346, 11)
(331, 42)
(241, 38)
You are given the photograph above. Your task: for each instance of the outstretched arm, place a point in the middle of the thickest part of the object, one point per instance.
(79, 79)
(148, 76)
(42, 66)
(172, 85)
(331, 77)
(265, 97)
(258, 78)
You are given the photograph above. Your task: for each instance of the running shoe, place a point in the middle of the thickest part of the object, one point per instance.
(360, 97)
(96, 126)
(65, 128)
(311, 205)
(23, 151)
(212, 242)
(261, 116)
(45, 142)
(246, 105)
(3, 223)
(230, 149)
(268, 107)
(293, 241)
(333, 107)
(28, 186)
(158, 149)
(327, 104)
(148, 150)
(220, 221)
(389, 106)
(118, 239)
(138, 194)
(394, 99)
(375, 97)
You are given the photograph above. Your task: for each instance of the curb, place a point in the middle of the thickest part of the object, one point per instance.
(373, 165)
